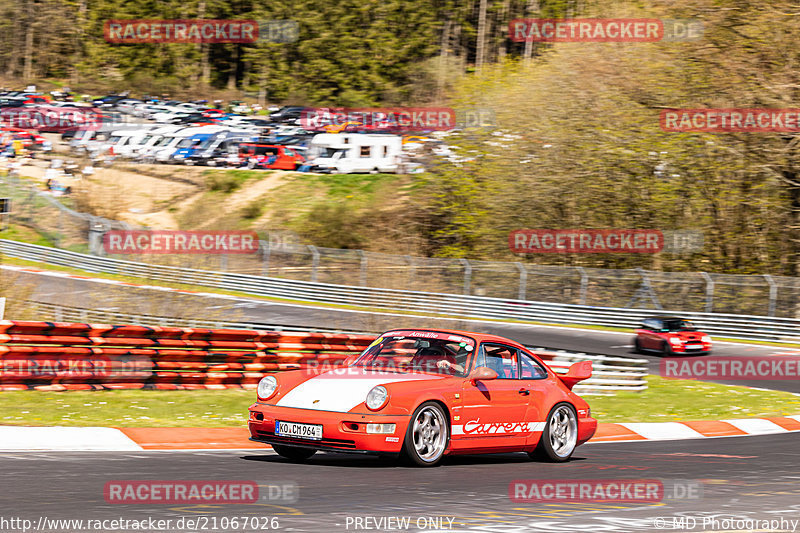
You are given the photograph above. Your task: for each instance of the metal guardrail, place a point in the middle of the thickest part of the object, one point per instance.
(281, 255)
(64, 313)
(427, 303)
(609, 374)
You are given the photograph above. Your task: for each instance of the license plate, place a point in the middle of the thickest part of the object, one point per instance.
(295, 429)
(692, 346)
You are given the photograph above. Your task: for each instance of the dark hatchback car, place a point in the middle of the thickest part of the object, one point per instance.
(670, 335)
(287, 114)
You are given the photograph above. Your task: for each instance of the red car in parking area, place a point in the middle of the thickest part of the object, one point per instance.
(29, 140)
(425, 394)
(669, 335)
(272, 156)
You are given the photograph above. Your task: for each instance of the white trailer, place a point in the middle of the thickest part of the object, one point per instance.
(349, 153)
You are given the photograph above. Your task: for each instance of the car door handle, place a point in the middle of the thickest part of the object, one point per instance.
(524, 392)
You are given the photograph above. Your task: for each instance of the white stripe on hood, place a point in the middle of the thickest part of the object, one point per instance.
(340, 391)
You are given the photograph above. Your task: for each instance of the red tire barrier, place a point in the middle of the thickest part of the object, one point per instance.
(56, 356)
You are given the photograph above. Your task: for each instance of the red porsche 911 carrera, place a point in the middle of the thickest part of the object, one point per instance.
(425, 394)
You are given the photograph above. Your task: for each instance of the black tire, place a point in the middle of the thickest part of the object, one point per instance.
(666, 350)
(637, 347)
(434, 437)
(545, 450)
(293, 452)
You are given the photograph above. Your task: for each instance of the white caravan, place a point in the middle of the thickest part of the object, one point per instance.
(152, 138)
(349, 153)
(164, 152)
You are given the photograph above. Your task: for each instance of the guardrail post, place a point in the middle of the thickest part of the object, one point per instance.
(584, 286)
(265, 251)
(467, 275)
(523, 280)
(709, 292)
(645, 291)
(97, 229)
(60, 228)
(362, 267)
(314, 261)
(412, 270)
(773, 294)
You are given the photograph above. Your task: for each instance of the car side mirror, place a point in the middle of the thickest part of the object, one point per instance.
(482, 373)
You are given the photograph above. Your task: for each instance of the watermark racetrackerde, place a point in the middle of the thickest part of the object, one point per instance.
(729, 120)
(139, 31)
(180, 242)
(209, 492)
(731, 368)
(36, 366)
(587, 241)
(611, 30)
(394, 119)
(52, 119)
(603, 490)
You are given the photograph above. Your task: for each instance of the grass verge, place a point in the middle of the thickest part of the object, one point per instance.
(664, 401)
(673, 400)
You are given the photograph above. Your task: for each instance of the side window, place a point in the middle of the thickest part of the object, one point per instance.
(501, 359)
(366, 151)
(530, 367)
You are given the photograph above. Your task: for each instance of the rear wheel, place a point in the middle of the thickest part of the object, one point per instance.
(637, 347)
(427, 436)
(293, 452)
(560, 435)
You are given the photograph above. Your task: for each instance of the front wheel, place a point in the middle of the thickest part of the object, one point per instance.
(666, 349)
(293, 452)
(427, 436)
(560, 435)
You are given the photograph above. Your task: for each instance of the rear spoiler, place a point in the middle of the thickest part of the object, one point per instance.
(576, 373)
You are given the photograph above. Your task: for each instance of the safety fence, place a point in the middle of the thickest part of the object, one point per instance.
(54, 356)
(282, 256)
(65, 313)
(752, 327)
(72, 356)
(609, 374)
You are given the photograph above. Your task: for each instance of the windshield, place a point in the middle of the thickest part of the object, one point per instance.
(187, 143)
(207, 143)
(165, 141)
(679, 325)
(408, 351)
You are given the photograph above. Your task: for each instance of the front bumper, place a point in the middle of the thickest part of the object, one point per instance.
(695, 348)
(341, 432)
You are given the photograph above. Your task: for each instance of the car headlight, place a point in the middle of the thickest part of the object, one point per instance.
(706, 338)
(267, 386)
(674, 340)
(377, 398)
